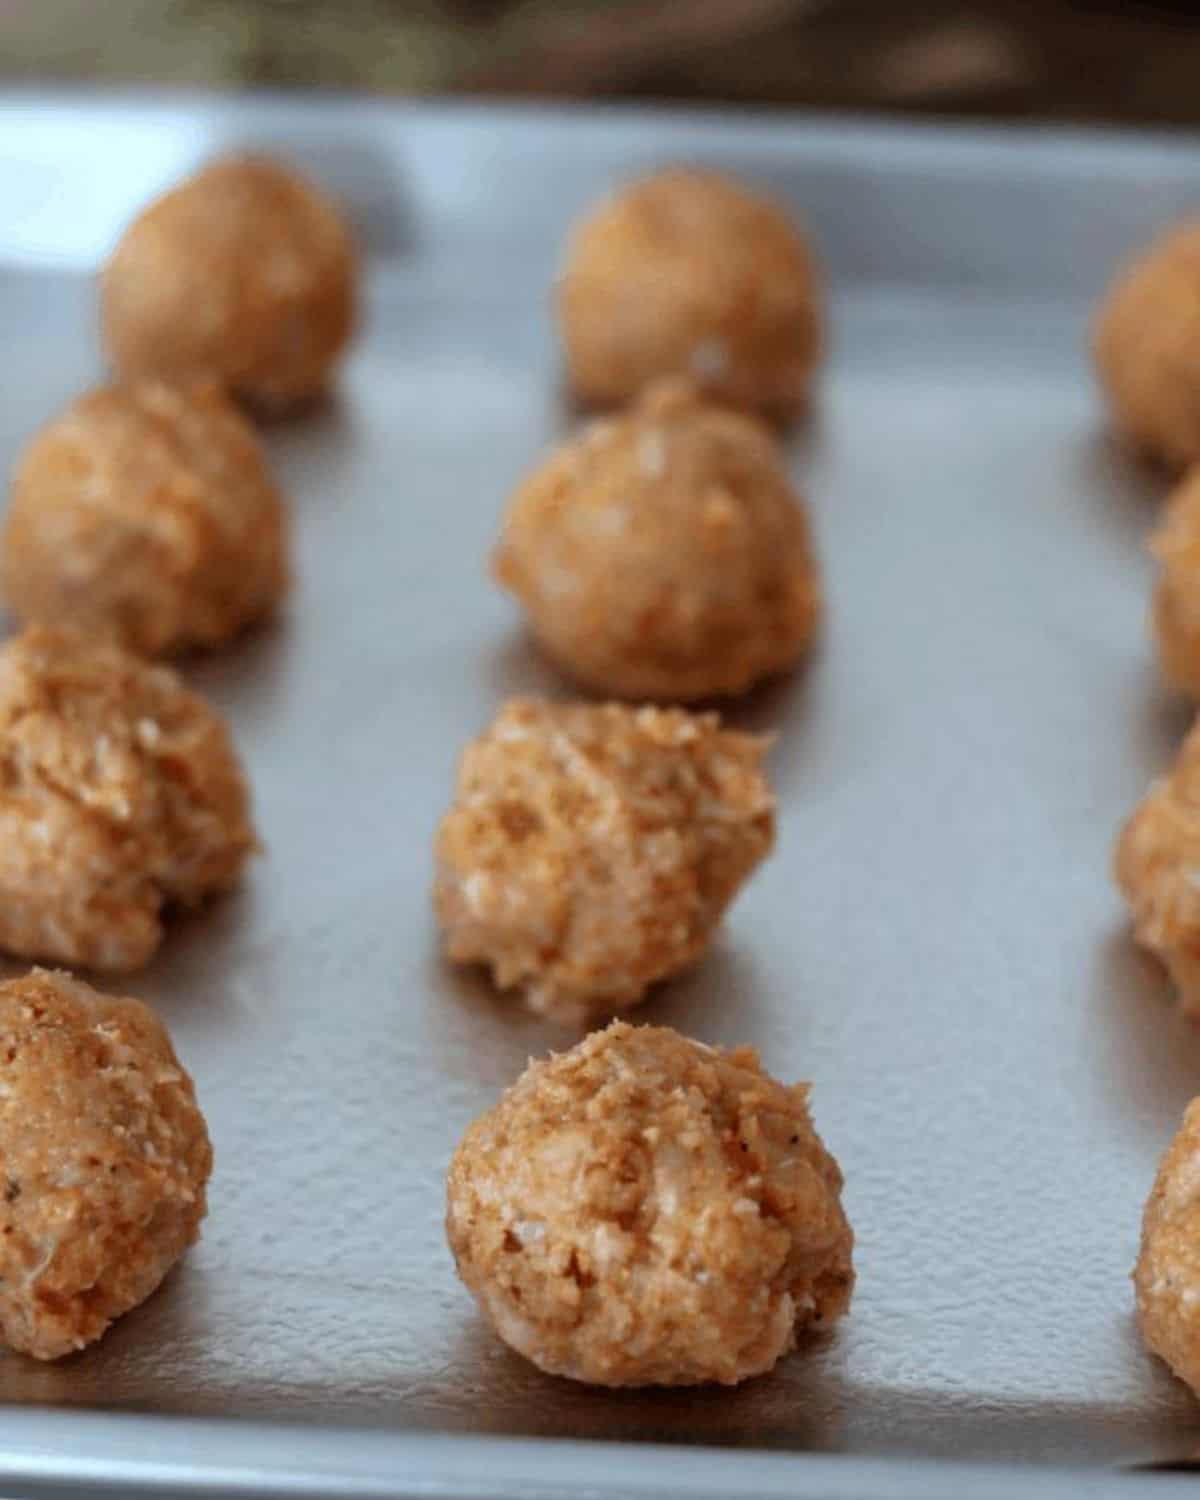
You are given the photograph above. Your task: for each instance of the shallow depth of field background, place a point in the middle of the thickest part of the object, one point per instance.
(1087, 60)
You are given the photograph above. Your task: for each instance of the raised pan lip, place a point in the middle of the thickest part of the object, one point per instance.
(47, 1453)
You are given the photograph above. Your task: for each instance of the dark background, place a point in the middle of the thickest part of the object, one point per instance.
(1083, 60)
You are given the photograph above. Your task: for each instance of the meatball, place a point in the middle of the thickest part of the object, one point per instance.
(244, 273)
(1147, 348)
(663, 554)
(1176, 544)
(104, 1158)
(591, 851)
(1157, 863)
(120, 796)
(1167, 1275)
(148, 514)
(646, 1210)
(688, 273)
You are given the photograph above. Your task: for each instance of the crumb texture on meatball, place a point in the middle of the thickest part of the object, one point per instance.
(646, 1210)
(120, 794)
(245, 273)
(1167, 1276)
(1176, 545)
(591, 851)
(664, 554)
(146, 513)
(1158, 868)
(104, 1159)
(1147, 348)
(689, 273)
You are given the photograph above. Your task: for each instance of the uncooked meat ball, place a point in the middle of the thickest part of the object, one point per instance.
(1176, 544)
(1167, 1276)
(689, 273)
(646, 1210)
(104, 1158)
(146, 513)
(1147, 348)
(1158, 856)
(591, 851)
(245, 273)
(664, 554)
(121, 797)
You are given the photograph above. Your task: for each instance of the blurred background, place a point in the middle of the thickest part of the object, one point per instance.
(1084, 60)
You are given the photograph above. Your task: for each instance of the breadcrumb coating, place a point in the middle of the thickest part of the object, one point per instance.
(1147, 348)
(120, 795)
(146, 513)
(689, 273)
(1158, 868)
(245, 274)
(664, 554)
(104, 1159)
(1176, 545)
(1167, 1275)
(646, 1210)
(591, 851)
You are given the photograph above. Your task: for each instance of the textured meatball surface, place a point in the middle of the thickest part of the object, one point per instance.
(664, 554)
(1158, 868)
(1176, 545)
(146, 513)
(1147, 348)
(591, 851)
(104, 1159)
(688, 273)
(120, 795)
(646, 1210)
(245, 273)
(1167, 1276)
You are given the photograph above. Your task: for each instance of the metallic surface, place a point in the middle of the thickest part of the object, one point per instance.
(937, 944)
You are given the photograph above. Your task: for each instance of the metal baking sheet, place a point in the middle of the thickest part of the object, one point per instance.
(936, 944)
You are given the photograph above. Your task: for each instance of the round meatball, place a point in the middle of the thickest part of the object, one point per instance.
(120, 796)
(1158, 856)
(1147, 348)
(688, 273)
(104, 1158)
(591, 851)
(1167, 1275)
(146, 513)
(646, 1210)
(663, 554)
(1176, 544)
(245, 273)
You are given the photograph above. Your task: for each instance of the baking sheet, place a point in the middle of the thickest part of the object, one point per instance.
(936, 944)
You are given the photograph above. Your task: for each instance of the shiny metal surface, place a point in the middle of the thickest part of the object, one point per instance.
(936, 944)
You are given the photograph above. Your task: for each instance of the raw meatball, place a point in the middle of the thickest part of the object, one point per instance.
(1147, 348)
(120, 795)
(592, 850)
(1176, 544)
(664, 554)
(1157, 865)
(104, 1158)
(645, 1210)
(1167, 1275)
(244, 273)
(146, 513)
(688, 273)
